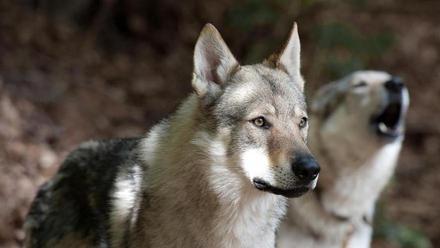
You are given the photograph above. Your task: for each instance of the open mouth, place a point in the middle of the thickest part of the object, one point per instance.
(291, 193)
(389, 122)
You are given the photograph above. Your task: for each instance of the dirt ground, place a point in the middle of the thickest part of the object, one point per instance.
(59, 85)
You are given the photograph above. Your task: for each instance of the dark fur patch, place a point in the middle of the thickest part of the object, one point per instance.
(77, 200)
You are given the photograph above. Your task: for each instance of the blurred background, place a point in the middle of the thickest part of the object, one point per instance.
(88, 69)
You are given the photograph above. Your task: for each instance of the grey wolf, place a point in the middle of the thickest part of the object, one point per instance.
(356, 134)
(214, 174)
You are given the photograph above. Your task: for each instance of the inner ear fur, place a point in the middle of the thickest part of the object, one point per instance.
(289, 59)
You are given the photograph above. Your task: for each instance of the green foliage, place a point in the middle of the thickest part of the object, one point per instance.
(251, 13)
(252, 18)
(338, 47)
(346, 49)
(398, 234)
(358, 3)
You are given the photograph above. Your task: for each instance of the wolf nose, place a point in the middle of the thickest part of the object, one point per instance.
(395, 84)
(305, 168)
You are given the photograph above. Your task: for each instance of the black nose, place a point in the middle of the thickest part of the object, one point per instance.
(395, 84)
(305, 167)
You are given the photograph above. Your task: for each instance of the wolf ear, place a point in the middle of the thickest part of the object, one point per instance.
(289, 58)
(328, 97)
(213, 62)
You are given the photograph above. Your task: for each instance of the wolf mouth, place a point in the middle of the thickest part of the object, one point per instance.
(389, 122)
(291, 193)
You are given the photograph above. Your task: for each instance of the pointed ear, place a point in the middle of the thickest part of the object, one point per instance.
(289, 58)
(328, 97)
(213, 62)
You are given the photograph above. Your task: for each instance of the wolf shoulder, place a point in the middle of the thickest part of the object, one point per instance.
(100, 163)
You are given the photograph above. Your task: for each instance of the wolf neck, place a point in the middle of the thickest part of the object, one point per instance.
(359, 189)
(197, 199)
(344, 202)
(352, 194)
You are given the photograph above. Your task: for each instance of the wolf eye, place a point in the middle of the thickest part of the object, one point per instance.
(360, 84)
(260, 122)
(303, 122)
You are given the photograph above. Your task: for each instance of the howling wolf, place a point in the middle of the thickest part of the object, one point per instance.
(357, 132)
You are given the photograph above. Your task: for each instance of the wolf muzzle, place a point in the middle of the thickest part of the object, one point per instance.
(306, 170)
(389, 122)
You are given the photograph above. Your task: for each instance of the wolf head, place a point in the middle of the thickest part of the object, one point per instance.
(260, 112)
(366, 107)
(357, 130)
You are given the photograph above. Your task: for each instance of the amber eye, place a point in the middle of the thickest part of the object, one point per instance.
(303, 122)
(260, 122)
